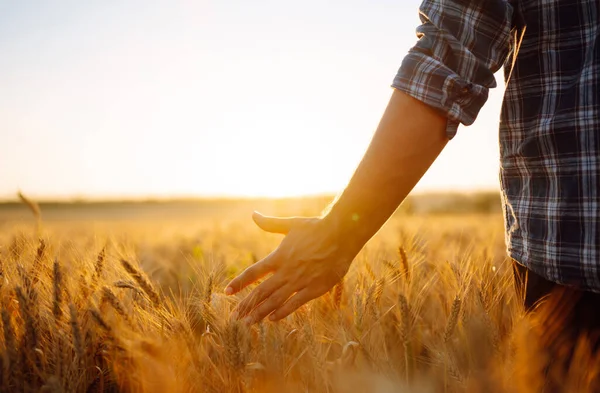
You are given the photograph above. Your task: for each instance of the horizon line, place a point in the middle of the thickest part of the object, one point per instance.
(6, 199)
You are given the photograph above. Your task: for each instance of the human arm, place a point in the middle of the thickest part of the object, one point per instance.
(449, 73)
(317, 252)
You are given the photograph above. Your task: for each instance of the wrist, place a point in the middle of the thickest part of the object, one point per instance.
(346, 230)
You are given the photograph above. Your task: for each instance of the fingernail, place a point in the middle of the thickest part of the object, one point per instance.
(272, 317)
(228, 291)
(247, 321)
(234, 315)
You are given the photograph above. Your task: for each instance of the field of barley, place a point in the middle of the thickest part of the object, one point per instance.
(109, 298)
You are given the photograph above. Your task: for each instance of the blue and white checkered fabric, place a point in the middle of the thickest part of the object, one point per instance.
(550, 121)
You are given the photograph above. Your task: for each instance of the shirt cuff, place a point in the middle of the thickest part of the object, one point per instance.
(431, 82)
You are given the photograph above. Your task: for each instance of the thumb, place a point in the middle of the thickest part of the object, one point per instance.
(274, 224)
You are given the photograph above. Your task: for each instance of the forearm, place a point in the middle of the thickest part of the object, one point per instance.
(408, 139)
(449, 70)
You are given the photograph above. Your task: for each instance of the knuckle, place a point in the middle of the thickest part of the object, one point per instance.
(278, 300)
(264, 305)
(294, 304)
(263, 310)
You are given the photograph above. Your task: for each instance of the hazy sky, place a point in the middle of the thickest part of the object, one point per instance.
(117, 98)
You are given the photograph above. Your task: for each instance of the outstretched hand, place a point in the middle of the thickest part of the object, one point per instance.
(309, 262)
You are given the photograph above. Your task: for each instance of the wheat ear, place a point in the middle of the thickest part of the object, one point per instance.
(142, 282)
(57, 284)
(76, 331)
(452, 322)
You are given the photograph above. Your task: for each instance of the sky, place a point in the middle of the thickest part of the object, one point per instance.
(126, 99)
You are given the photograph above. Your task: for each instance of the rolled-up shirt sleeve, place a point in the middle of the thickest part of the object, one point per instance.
(462, 43)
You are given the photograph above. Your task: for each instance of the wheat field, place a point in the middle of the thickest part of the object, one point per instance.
(137, 305)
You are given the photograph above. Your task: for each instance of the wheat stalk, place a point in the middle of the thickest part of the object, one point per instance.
(37, 263)
(338, 292)
(208, 290)
(109, 297)
(29, 347)
(452, 322)
(17, 244)
(370, 271)
(9, 342)
(404, 334)
(99, 320)
(404, 263)
(232, 345)
(393, 270)
(35, 210)
(99, 265)
(57, 285)
(142, 282)
(379, 286)
(127, 285)
(31, 336)
(76, 331)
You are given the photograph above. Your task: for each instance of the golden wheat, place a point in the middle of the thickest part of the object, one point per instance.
(93, 322)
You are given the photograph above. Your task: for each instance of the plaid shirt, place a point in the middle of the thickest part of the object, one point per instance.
(550, 121)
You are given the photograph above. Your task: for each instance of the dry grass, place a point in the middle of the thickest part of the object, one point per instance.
(428, 306)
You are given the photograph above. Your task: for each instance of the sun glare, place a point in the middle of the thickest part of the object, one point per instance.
(205, 103)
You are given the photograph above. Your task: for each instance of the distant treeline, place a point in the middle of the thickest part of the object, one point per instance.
(438, 203)
(452, 203)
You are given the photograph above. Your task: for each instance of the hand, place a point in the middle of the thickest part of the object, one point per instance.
(309, 262)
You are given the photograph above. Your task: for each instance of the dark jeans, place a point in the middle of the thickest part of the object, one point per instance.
(580, 310)
(564, 314)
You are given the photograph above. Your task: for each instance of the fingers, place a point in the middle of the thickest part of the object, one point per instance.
(250, 275)
(257, 296)
(273, 302)
(274, 224)
(295, 302)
